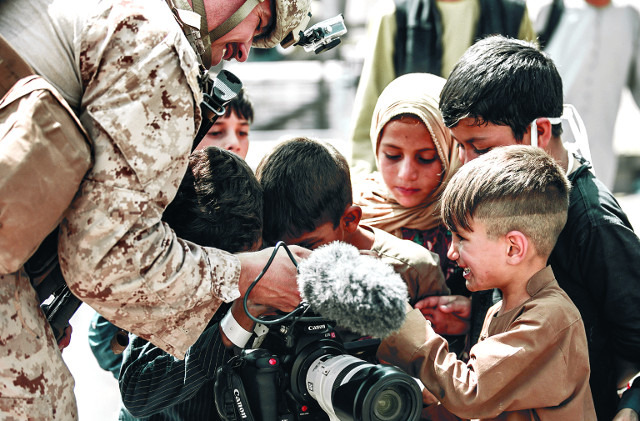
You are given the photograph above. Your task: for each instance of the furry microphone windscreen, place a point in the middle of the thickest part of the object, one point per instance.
(358, 292)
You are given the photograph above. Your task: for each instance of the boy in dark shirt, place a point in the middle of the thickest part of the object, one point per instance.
(504, 92)
(219, 204)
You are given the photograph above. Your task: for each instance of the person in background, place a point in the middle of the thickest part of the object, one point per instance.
(416, 156)
(595, 45)
(505, 92)
(506, 210)
(231, 130)
(407, 36)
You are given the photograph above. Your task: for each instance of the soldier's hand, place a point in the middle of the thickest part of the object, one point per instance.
(278, 287)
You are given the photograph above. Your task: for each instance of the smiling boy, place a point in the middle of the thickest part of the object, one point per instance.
(506, 210)
(506, 92)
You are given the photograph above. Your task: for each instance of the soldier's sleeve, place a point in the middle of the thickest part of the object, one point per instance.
(140, 107)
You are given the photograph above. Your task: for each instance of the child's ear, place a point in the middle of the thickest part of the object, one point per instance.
(517, 246)
(351, 218)
(544, 132)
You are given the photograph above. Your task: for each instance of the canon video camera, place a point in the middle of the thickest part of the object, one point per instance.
(303, 370)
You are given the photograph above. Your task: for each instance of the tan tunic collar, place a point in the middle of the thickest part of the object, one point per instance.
(539, 280)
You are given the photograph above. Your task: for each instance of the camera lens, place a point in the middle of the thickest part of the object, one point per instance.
(352, 389)
(387, 405)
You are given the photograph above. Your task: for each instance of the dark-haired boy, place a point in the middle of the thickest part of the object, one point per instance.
(219, 204)
(308, 202)
(505, 210)
(504, 92)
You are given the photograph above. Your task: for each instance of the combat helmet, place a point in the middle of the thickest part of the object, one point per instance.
(290, 19)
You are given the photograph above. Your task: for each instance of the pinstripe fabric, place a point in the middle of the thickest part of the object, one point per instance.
(157, 386)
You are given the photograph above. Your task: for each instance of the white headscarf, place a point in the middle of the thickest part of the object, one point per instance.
(417, 94)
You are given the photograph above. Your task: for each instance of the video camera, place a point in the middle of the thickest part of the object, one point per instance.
(304, 370)
(301, 367)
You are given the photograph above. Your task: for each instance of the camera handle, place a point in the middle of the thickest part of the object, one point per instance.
(260, 375)
(250, 378)
(230, 397)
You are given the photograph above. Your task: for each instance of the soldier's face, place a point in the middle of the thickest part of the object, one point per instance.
(237, 42)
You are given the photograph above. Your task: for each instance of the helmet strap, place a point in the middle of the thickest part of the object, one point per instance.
(193, 29)
(206, 37)
(233, 20)
(198, 7)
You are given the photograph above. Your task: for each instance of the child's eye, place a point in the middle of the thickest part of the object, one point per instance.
(426, 161)
(308, 244)
(481, 151)
(392, 157)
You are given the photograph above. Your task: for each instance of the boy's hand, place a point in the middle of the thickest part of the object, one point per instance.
(448, 314)
(428, 398)
(278, 287)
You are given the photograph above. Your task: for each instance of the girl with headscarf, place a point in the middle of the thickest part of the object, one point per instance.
(416, 156)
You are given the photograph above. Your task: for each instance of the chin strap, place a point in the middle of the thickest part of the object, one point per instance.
(233, 20)
(191, 22)
(194, 24)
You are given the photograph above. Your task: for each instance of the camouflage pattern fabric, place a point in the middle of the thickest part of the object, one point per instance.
(140, 108)
(139, 104)
(35, 382)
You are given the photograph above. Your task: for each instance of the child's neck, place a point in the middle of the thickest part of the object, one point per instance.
(557, 150)
(513, 299)
(361, 238)
(515, 292)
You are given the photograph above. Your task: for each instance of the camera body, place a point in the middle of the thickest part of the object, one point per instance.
(305, 370)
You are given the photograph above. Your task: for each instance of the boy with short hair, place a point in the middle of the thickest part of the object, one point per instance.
(506, 210)
(504, 92)
(219, 204)
(308, 202)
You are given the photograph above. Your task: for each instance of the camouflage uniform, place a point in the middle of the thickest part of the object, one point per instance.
(129, 71)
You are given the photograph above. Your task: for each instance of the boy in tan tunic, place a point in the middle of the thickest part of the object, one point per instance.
(506, 210)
